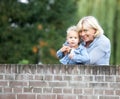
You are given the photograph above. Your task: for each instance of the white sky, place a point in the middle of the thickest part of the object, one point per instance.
(23, 1)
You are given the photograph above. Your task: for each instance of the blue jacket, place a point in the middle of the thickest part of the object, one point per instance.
(99, 51)
(80, 56)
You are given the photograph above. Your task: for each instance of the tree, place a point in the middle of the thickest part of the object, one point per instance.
(107, 12)
(29, 31)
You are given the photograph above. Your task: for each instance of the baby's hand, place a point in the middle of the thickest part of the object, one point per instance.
(71, 55)
(65, 49)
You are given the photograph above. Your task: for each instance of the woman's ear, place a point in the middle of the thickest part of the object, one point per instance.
(96, 33)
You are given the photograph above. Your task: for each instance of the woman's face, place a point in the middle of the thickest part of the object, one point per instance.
(87, 34)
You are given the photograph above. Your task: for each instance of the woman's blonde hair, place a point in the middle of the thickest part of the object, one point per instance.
(91, 22)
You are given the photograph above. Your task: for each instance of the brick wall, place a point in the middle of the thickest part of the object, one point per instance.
(59, 82)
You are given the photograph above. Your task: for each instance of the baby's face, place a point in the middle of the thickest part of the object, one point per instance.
(73, 39)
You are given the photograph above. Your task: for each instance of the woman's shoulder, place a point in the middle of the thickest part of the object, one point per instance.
(103, 41)
(104, 38)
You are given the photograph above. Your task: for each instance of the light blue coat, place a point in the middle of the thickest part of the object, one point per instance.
(99, 51)
(80, 56)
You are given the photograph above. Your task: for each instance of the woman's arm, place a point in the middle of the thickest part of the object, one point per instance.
(100, 53)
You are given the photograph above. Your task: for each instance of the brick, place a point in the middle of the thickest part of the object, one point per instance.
(68, 78)
(118, 70)
(77, 84)
(1, 91)
(88, 70)
(78, 91)
(10, 77)
(17, 90)
(110, 78)
(32, 68)
(117, 92)
(113, 70)
(39, 77)
(77, 78)
(56, 69)
(3, 83)
(25, 96)
(109, 97)
(88, 91)
(88, 78)
(117, 78)
(38, 84)
(24, 77)
(1, 77)
(19, 77)
(46, 97)
(99, 78)
(40, 69)
(47, 90)
(109, 92)
(57, 84)
(87, 97)
(2, 68)
(8, 69)
(27, 77)
(20, 69)
(48, 77)
(66, 97)
(59, 78)
(37, 90)
(67, 90)
(98, 91)
(14, 68)
(82, 70)
(98, 85)
(17, 83)
(76, 70)
(69, 69)
(28, 90)
(63, 70)
(57, 90)
(115, 85)
(7, 90)
(7, 96)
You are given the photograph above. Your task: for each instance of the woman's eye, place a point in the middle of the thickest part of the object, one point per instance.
(85, 30)
(80, 31)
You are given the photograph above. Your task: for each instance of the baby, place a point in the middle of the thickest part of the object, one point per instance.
(72, 52)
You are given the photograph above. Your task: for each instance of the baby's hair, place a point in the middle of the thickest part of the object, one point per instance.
(71, 28)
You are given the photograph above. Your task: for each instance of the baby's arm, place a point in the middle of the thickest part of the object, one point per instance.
(63, 51)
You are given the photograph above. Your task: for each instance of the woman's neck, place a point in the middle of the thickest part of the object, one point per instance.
(88, 43)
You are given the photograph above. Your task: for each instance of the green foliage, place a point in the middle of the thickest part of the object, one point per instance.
(24, 61)
(36, 30)
(33, 31)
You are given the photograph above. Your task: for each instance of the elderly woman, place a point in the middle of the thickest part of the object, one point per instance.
(97, 44)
